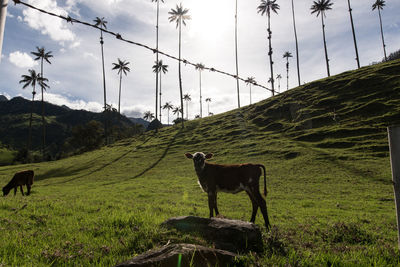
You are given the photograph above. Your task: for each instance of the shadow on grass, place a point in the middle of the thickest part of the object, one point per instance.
(64, 172)
(172, 141)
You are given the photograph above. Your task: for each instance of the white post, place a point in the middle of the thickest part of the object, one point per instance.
(3, 15)
(394, 145)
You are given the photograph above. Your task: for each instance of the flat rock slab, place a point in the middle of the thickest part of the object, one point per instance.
(183, 255)
(232, 235)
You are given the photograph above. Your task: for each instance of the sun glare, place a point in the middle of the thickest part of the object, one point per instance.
(211, 18)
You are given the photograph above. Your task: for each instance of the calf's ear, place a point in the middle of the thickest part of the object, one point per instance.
(188, 155)
(209, 156)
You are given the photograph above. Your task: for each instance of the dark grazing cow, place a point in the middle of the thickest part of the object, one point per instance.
(213, 178)
(20, 179)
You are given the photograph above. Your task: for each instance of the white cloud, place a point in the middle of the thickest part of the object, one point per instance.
(52, 26)
(89, 55)
(73, 104)
(22, 60)
(75, 44)
(19, 18)
(9, 15)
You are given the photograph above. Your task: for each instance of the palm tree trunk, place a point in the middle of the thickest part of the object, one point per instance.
(287, 73)
(179, 69)
(30, 121)
(250, 94)
(119, 98)
(158, 12)
(270, 53)
(383, 40)
(160, 96)
(201, 104)
(168, 115)
(187, 109)
(354, 35)
(43, 121)
(236, 52)
(104, 85)
(279, 85)
(326, 51)
(297, 45)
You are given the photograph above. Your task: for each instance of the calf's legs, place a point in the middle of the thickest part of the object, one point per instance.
(22, 190)
(263, 207)
(212, 204)
(255, 207)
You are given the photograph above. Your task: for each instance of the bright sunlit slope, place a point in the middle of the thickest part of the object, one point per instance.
(324, 145)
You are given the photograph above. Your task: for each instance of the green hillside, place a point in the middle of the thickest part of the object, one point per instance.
(60, 122)
(324, 145)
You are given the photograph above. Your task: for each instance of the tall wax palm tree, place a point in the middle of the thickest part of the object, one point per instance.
(320, 7)
(208, 100)
(249, 81)
(148, 116)
(31, 80)
(158, 15)
(187, 98)
(297, 45)
(379, 4)
(354, 34)
(176, 111)
(179, 15)
(266, 7)
(42, 55)
(236, 53)
(287, 55)
(278, 78)
(101, 23)
(200, 68)
(168, 107)
(122, 67)
(160, 68)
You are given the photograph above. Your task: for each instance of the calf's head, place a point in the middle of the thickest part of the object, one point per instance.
(199, 159)
(5, 191)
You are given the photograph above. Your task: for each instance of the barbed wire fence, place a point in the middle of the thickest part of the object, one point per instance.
(72, 20)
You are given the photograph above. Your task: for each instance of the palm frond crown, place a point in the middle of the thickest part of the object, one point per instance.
(321, 6)
(42, 54)
(179, 15)
(250, 80)
(379, 4)
(121, 66)
(199, 66)
(168, 106)
(266, 6)
(100, 22)
(287, 55)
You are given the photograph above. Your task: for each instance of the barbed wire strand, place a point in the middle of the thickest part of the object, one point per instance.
(119, 37)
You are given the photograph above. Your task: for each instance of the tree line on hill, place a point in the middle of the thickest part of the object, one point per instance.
(68, 131)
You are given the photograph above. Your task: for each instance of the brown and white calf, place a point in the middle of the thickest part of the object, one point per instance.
(20, 179)
(214, 178)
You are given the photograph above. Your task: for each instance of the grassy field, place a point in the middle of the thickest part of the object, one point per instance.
(330, 197)
(6, 156)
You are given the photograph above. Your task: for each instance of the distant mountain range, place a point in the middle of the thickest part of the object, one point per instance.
(14, 122)
(139, 121)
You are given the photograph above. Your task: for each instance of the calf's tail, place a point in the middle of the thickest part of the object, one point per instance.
(265, 179)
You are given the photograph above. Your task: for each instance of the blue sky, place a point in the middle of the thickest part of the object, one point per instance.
(75, 73)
